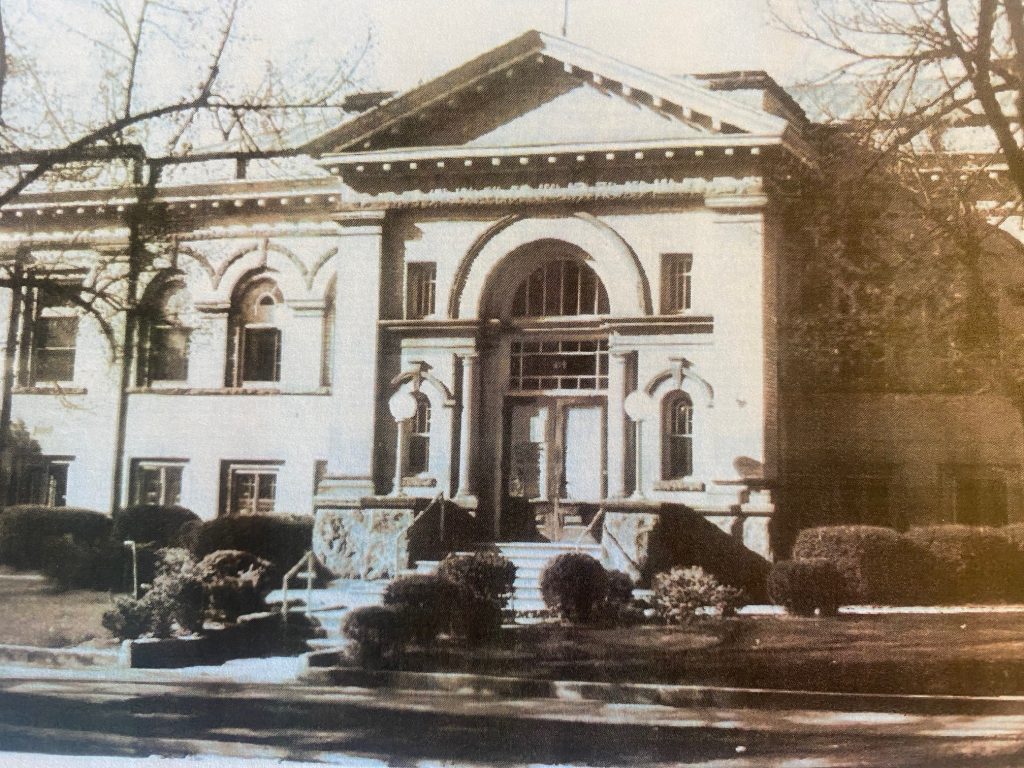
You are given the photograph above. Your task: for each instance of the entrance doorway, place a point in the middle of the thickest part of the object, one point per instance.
(555, 449)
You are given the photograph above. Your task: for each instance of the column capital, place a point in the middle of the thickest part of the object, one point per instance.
(465, 355)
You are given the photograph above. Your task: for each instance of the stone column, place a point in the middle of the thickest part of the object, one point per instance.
(617, 425)
(467, 424)
(350, 463)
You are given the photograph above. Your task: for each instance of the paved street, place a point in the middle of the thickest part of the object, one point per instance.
(97, 717)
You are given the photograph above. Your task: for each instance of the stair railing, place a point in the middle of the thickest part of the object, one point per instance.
(590, 529)
(308, 560)
(439, 499)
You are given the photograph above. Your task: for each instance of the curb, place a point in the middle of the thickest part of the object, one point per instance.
(679, 696)
(59, 658)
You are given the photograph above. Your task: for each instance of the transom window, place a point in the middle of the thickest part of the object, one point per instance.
(675, 282)
(678, 437)
(540, 365)
(420, 289)
(560, 288)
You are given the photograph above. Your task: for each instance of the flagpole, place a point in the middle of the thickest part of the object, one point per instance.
(565, 19)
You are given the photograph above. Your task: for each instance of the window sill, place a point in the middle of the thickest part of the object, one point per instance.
(679, 485)
(419, 482)
(262, 391)
(50, 389)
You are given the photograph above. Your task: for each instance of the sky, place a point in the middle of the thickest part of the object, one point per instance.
(415, 40)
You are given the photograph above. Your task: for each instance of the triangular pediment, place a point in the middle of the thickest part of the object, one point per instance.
(539, 90)
(587, 114)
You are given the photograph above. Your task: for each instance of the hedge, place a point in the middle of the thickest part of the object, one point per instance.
(280, 539)
(24, 531)
(151, 523)
(806, 586)
(878, 565)
(976, 564)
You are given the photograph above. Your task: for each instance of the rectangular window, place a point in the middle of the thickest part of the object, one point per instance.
(675, 282)
(420, 280)
(540, 365)
(157, 482)
(261, 354)
(167, 356)
(249, 489)
(43, 480)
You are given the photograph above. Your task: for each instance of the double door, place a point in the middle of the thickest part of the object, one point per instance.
(555, 449)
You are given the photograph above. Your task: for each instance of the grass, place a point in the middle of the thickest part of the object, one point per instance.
(979, 654)
(35, 614)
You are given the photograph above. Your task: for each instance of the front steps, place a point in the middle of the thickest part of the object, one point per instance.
(529, 559)
(330, 604)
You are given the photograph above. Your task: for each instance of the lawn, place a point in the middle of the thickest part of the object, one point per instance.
(980, 654)
(35, 614)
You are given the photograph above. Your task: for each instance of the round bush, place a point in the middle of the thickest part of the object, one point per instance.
(975, 563)
(151, 524)
(280, 539)
(129, 619)
(574, 586)
(878, 565)
(424, 603)
(24, 529)
(485, 581)
(488, 575)
(806, 586)
(682, 593)
(376, 634)
(234, 583)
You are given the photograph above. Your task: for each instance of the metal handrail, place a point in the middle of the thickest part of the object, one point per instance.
(589, 529)
(416, 519)
(307, 560)
(621, 549)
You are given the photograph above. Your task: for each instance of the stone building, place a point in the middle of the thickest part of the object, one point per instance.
(543, 285)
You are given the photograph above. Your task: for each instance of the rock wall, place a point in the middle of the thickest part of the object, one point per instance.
(362, 543)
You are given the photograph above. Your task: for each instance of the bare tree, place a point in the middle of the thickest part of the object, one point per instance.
(116, 91)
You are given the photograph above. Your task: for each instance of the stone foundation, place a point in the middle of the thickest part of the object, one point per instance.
(363, 543)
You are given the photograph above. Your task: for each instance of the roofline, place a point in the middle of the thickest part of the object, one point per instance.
(689, 95)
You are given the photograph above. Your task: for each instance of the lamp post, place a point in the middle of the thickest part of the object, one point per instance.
(135, 567)
(639, 407)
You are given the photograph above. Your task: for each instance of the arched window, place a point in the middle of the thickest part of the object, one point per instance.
(560, 288)
(256, 338)
(164, 336)
(677, 437)
(418, 461)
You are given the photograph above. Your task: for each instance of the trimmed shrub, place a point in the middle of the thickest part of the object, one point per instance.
(86, 565)
(574, 586)
(151, 524)
(877, 564)
(129, 619)
(619, 605)
(680, 594)
(485, 581)
(806, 586)
(975, 564)
(280, 539)
(426, 605)
(376, 634)
(24, 529)
(234, 583)
(174, 604)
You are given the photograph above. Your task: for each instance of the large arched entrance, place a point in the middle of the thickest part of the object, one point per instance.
(549, 302)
